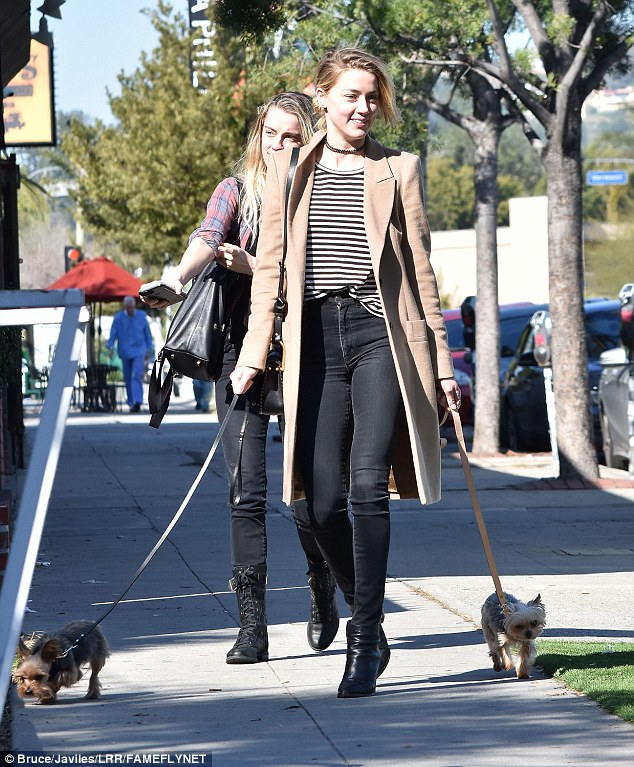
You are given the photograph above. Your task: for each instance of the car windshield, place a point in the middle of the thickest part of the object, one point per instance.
(454, 334)
(510, 330)
(602, 332)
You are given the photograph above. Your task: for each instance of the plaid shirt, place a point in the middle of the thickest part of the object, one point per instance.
(221, 224)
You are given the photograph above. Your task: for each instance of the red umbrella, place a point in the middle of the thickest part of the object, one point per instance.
(100, 279)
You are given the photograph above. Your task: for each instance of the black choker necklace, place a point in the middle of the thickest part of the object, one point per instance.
(344, 151)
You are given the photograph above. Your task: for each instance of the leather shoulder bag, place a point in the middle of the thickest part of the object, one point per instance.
(195, 341)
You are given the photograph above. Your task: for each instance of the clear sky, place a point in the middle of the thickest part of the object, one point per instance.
(93, 42)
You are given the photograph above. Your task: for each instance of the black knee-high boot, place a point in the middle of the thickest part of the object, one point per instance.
(364, 657)
(252, 644)
(338, 549)
(336, 544)
(323, 619)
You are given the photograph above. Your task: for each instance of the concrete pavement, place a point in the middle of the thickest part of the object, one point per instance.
(168, 690)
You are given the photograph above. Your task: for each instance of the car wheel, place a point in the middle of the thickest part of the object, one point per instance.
(513, 439)
(611, 461)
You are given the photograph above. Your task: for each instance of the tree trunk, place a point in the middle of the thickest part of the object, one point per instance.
(562, 161)
(486, 436)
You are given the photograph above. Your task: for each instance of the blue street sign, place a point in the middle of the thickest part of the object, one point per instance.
(606, 177)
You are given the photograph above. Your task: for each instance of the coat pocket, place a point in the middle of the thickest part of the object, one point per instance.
(416, 330)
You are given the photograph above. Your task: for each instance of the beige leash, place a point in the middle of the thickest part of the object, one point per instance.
(466, 467)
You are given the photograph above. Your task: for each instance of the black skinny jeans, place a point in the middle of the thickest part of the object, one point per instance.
(348, 407)
(248, 515)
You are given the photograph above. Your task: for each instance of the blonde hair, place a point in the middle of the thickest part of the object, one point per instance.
(336, 62)
(251, 168)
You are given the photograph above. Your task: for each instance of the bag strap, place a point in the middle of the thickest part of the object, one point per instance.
(280, 303)
(466, 467)
(235, 486)
(166, 532)
(159, 394)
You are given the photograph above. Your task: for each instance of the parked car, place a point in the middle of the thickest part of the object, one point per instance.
(612, 398)
(513, 318)
(524, 420)
(462, 368)
(616, 389)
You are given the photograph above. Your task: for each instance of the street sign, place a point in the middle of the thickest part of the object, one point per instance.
(606, 177)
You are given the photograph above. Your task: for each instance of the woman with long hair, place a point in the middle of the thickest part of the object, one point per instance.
(229, 235)
(367, 360)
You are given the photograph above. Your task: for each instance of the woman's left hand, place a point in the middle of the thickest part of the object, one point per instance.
(448, 393)
(235, 259)
(242, 378)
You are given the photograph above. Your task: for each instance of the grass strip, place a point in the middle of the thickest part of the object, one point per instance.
(603, 672)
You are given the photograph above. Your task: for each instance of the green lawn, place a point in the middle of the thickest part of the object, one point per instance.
(603, 672)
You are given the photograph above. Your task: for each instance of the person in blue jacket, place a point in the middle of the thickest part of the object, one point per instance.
(131, 331)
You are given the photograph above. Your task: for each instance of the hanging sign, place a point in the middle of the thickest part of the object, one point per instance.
(29, 109)
(202, 60)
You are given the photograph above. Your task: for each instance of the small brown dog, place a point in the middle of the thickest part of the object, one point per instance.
(48, 665)
(511, 637)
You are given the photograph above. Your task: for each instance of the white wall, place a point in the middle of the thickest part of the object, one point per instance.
(522, 256)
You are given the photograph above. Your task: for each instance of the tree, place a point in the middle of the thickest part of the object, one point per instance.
(576, 43)
(144, 182)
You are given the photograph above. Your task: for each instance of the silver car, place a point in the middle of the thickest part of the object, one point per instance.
(614, 395)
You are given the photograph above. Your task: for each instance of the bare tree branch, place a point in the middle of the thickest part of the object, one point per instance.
(500, 42)
(533, 138)
(589, 36)
(596, 76)
(537, 32)
(444, 110)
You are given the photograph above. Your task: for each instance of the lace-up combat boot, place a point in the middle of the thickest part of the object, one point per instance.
(323, 621)
(252, 644)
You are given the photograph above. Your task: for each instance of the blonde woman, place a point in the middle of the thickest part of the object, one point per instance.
(229, 234)
(367, 358)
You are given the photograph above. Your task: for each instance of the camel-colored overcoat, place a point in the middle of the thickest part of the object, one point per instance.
(399, 242)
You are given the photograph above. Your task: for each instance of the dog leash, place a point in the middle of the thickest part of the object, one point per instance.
(466, 467)
(168, 529)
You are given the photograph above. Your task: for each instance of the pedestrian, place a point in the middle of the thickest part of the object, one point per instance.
(131, 332)
(202, 394)
(367, 360)
(228, 235)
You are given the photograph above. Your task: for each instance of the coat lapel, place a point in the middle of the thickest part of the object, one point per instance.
(298, 208)
(379, 189)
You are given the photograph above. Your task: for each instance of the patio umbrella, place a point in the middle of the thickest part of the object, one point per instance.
(102, 281)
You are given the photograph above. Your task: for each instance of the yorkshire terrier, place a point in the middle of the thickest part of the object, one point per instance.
(511, 637)
(48, 665)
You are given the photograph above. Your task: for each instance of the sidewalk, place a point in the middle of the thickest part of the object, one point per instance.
(167, 688)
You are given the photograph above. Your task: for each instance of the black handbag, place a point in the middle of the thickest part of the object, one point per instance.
(271, 393)
(195, 341)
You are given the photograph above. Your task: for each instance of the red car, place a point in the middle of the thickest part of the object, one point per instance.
(453, 321)
(513, 318)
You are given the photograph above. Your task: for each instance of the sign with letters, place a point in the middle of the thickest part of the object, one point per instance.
(202, 60)
(606, 177)
(29, 109)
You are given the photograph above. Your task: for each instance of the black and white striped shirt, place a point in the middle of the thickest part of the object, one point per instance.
(337, 252)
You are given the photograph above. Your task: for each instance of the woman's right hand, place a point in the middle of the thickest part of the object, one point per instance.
(242, 378)
(158, 303)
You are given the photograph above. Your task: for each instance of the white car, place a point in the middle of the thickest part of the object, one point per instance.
(613, 397)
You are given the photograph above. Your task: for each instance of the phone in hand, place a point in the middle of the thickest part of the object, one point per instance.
(161, 291)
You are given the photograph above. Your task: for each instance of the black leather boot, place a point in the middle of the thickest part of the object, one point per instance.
(252, 644)
(362, 662)
(323, 621)
(384, 651)
(336, 545)
(384, 648)
(368, 652)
